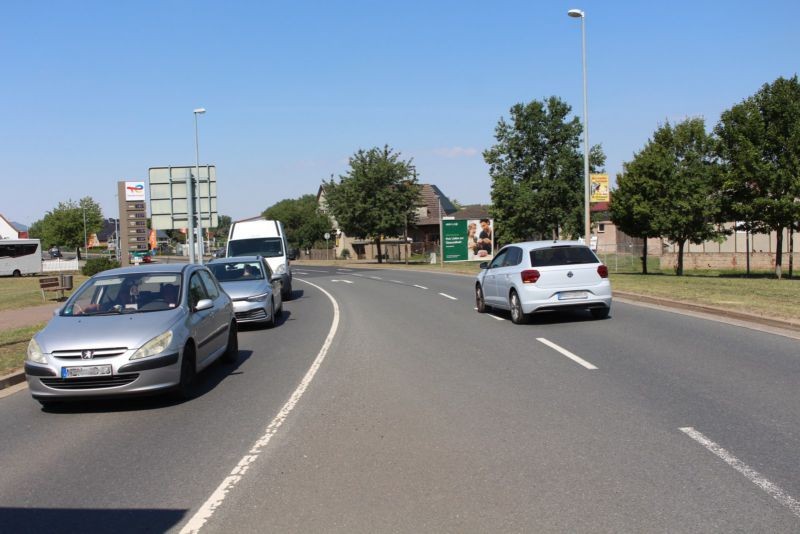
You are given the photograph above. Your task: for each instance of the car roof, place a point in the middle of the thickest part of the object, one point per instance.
(532, 245)
(176, 268)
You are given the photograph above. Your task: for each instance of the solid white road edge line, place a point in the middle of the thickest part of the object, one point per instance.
(565, 352)
(218, 496)
(750, 474)
(419, 286)
(445, 295)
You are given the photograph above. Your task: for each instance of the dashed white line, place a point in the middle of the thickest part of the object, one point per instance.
(376, 277)
(314, 271)
(565, 352)
(419, 286)
(751, 474)
(397, 281)
(492, 316)
(340, 269)
(445, 295)
(218, 496)
(361, 275)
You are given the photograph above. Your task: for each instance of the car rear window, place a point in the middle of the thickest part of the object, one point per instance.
(562, 255)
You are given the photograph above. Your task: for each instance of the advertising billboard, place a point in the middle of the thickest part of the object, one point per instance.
(599, 187)
(468, 240)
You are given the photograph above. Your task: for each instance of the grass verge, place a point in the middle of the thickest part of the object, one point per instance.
(23, 291)
(13, 346)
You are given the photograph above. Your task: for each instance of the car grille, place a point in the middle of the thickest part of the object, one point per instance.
(251, 315)
(96, 353)
(90, 382)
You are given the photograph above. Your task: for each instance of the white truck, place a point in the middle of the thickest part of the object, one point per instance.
(263, 237)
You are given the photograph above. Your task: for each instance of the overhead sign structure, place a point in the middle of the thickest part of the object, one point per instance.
(169, 193)
(599, 187)
(468, 239)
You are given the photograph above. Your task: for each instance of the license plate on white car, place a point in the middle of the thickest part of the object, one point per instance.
(86, 370)
(573, 295)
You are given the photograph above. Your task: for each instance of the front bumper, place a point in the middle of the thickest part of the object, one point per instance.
(251, 312)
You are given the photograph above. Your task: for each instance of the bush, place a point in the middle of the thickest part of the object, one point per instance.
(345, 254)
(96, 265)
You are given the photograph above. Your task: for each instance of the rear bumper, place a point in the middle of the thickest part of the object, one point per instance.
(535, 299)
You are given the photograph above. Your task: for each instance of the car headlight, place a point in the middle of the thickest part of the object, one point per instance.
(281, 269)
(35, 353)
(155, 346)
(258, 298)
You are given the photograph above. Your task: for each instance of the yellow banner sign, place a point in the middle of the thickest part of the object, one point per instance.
(599, 187)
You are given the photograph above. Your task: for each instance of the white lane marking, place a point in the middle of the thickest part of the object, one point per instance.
(218, 496)
(340, 269)
(397, 281)
(376, 277)
(565, 352)
(315, 271)
(298, 272)
(776, 492)
(445, 295)
(492, 316)
(345, 281)
(361, 275)
(421, 287)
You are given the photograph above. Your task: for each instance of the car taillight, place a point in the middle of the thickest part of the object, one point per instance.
(530, 276)
(602, 270)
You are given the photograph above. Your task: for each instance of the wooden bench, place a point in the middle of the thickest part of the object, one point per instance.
(51, 283)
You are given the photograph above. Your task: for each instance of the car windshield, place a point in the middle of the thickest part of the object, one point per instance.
(562, 255)
(269, 247)
(125, 293)
(237, 271)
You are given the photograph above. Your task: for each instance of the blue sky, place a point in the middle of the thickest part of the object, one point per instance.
(96, 92)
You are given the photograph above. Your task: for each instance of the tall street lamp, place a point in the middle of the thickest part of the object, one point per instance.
(85, 241)
(191, 193)
(578, 14)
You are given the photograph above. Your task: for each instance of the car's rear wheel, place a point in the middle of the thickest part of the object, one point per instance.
(517, 315)
(480, 303)
(188, 373)
(231, 354)
(600, 313)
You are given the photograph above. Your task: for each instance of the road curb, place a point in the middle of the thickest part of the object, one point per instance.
(711, 310)
(12, 379)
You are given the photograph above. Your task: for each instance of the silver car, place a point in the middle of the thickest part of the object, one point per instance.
(134, 330)
(253, 287)
(539, 276)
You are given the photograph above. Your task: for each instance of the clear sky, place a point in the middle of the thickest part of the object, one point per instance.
(96, 92)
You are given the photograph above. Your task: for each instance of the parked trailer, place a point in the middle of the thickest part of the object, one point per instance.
(20, 256)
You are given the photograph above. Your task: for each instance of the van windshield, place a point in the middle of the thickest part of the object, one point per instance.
(269, 247)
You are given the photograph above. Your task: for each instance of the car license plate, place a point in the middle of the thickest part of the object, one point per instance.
(87, 370)
(573, 295)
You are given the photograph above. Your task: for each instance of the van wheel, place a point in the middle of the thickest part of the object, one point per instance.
(16, 273)
(286, 294)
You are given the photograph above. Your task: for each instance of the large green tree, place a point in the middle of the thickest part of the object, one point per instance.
(64, 224)
(633, 202)
(536, 168)
(304, 223)
(759, 142)
(376, 197)
(676, 173)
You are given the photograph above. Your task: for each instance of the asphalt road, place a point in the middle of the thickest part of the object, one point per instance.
(420, 415)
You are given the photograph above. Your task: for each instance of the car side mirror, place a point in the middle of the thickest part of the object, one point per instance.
(484, 265)
(276, 278)
(204, 304)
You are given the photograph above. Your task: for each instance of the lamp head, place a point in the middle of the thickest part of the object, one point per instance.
(576, 13)
(200, 111)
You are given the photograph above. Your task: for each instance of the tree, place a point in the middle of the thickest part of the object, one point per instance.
(376, 197)
(223, 227)
(302, 220)
(537, 172)
(63, 225)
(633, 202)
(675, 175)
(759, 142)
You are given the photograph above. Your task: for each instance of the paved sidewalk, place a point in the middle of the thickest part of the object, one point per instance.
(19, 318)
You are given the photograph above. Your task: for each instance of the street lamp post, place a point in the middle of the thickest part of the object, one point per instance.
(577, 13)
(191, 193)
(85, 241)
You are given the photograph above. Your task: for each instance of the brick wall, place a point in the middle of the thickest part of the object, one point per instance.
(759, 261)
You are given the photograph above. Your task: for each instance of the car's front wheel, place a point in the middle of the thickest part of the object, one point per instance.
(517, 315)
(480, 303)
(271, 321)
(188, 372)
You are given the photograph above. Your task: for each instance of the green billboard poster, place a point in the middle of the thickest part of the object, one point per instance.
(468, 239)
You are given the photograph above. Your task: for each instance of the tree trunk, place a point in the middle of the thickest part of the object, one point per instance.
(78, 251)
(644, 255)
(779, 253)
(679, 271)
(791, 250)
(380, 254)
(747, 250)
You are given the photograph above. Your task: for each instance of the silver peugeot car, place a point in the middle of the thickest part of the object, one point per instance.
(134, 330)
(540, 276)
(253, 287)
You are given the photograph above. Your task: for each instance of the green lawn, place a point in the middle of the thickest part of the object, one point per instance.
(24, 291)
(13, 346)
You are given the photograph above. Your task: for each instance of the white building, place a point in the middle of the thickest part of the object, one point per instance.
(7, 230)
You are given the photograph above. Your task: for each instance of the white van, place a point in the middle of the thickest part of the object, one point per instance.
(262, 237)
(20, 256)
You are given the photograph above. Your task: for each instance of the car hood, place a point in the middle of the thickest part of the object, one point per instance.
(106, 331)
(243, 289)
